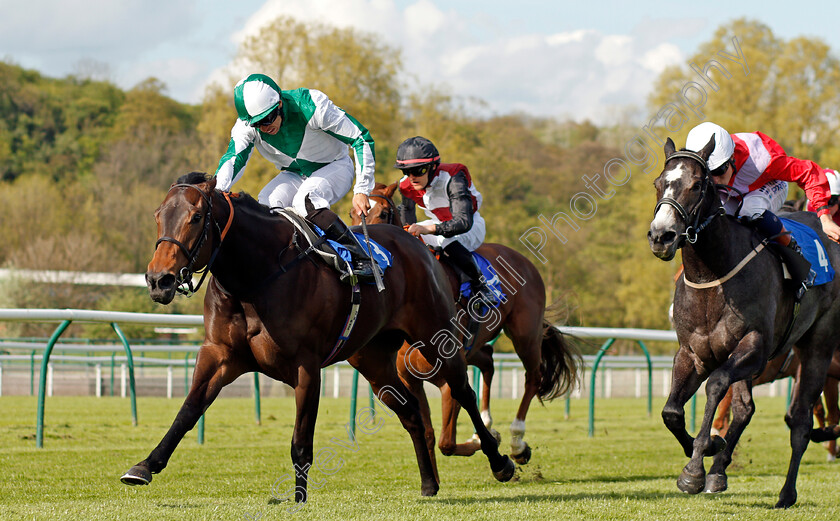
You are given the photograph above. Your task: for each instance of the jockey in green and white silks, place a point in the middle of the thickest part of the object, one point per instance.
(307, 138)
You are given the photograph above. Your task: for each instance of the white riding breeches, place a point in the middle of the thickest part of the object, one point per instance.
(771, 197)
(324, 187)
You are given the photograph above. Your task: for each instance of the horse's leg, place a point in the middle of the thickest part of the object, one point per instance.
(484, 362)
(742, 405)
(449, 429)
(806, 391)
(684, 383)
(830, 392)
(745, 361)
(386, 384)
(528, 348)
(721, 423)
(454, 370)
(415, 385)
(213, 370)
(307, 398)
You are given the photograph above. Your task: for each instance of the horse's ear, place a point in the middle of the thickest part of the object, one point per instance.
(707, 150)
(670, 148)
(211, 183)
(390, 189)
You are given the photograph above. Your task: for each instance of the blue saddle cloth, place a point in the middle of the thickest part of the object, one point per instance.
(381, 255)
(491, 278)
(812, 249)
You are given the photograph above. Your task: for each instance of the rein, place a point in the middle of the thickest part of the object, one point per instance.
(184, 277)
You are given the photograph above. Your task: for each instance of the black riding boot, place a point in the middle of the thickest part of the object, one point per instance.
(335, 229)
(798, 265)
(785, 245)
(464, 259)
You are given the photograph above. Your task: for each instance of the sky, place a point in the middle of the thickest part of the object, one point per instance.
(565, 59)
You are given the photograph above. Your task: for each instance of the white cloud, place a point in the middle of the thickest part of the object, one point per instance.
(661, 56)
(574, 73)
(569, 74)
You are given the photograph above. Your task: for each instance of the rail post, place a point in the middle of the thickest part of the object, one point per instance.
(39, 421)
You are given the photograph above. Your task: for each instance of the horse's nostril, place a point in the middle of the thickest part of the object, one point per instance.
(668, 237)
(167, 281)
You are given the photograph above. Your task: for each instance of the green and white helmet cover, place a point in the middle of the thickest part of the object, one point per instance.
(254, 97)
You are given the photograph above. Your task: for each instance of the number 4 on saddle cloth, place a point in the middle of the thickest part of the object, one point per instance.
(813, 250)
(492, 281)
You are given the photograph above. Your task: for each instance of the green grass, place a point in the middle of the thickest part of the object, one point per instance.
(628, 471)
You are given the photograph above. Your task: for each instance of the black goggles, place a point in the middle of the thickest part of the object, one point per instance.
(418, 171)
(833, 199)
(268, 119)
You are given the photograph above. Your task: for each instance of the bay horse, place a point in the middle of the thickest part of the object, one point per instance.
(272, 308)
(551, 361)
(733, 317)
(783, 367)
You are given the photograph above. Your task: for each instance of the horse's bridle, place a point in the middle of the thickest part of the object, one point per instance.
(692, 218)
(390, 203)
(184, 277)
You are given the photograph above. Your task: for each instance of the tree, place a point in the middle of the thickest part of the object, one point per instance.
(791, 92)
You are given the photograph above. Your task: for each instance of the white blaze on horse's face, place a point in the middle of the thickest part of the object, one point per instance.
(667, 216)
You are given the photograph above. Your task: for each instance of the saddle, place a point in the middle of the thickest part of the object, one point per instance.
(317, 243)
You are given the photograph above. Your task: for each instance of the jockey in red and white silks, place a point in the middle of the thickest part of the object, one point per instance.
(451, 203)
(759, 168)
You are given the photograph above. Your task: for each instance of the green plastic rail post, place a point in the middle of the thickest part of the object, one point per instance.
(353, 393)
(130, 361)
(42, 386)
(650, 376)
(600, 355)
(693, 425)
(257, 398)
(32, 373)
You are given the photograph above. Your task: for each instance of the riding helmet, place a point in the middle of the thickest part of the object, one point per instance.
(416, 151)
(255, 96)
(699, 136)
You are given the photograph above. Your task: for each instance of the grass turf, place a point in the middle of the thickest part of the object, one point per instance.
(627, 471)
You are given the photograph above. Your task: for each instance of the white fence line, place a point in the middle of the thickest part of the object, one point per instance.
(505, 361)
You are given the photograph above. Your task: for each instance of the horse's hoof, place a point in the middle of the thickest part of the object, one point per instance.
(786, 502)
(715, 447)
(429, 490)
(715, 483)
(523, 457)
(506, 472)
(691, 484)
(137, 475)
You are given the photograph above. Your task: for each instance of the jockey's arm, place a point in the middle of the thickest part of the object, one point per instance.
(461, 206)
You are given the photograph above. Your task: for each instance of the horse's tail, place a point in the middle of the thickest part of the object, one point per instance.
(561, 359)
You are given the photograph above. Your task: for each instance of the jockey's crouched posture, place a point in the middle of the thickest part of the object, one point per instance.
(306, 137)
(759, 169)
(445, 192)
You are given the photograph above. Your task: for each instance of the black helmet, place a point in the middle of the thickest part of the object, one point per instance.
(416, 151)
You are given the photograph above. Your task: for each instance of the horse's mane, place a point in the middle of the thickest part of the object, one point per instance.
(242, 199)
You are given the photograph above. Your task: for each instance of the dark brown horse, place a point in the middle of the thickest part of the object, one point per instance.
(733, 317)
(551, 361)
(273, 308)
